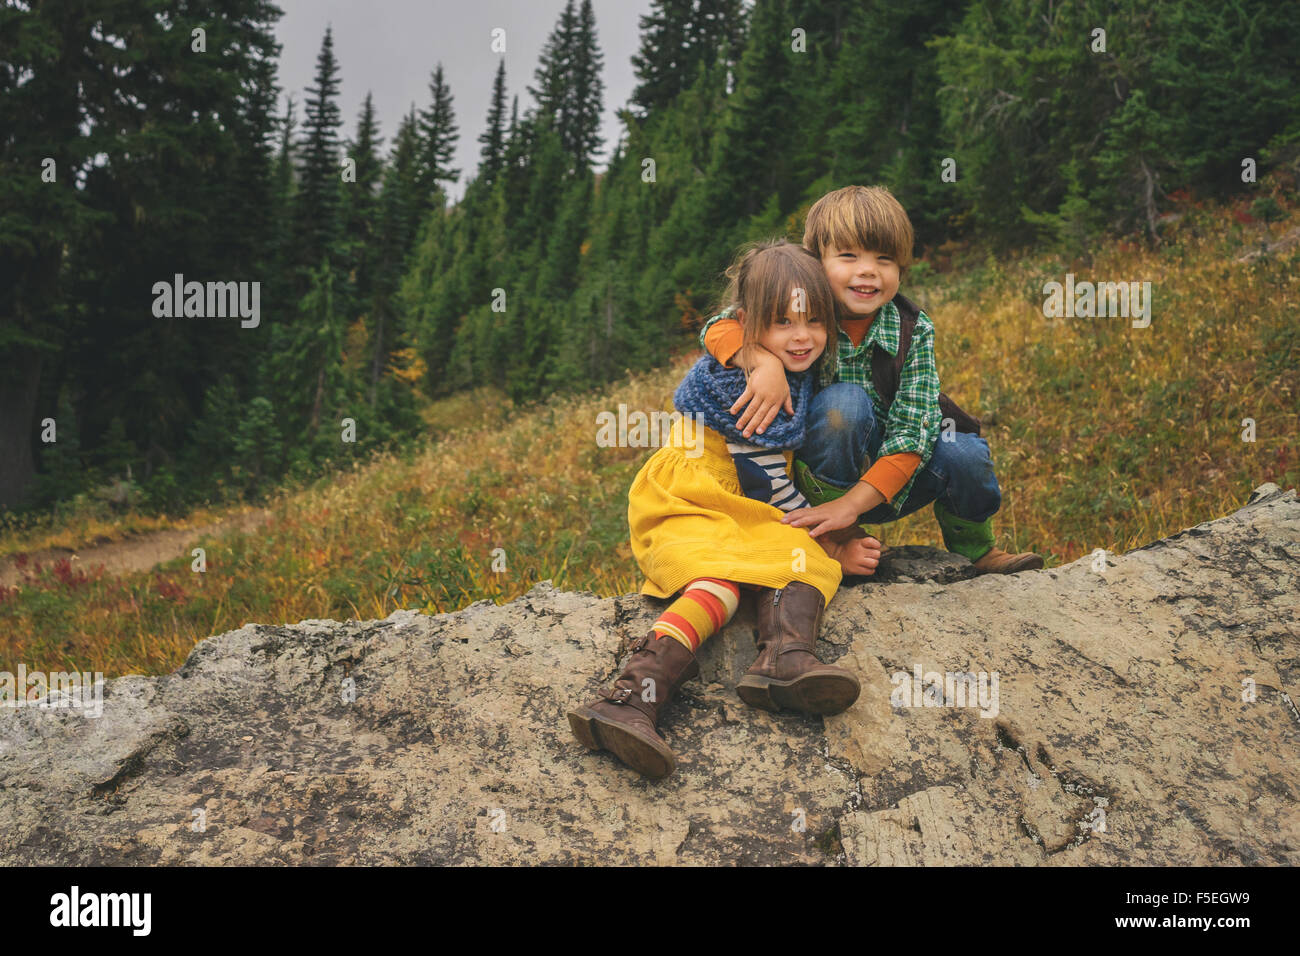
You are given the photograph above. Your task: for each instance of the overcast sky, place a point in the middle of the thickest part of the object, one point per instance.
(390, 47)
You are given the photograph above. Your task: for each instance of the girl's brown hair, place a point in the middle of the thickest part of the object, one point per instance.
(762, 281)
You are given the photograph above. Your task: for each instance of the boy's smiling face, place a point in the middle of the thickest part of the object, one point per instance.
(862, 281)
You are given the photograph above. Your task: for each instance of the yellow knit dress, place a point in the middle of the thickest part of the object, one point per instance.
(688, 519)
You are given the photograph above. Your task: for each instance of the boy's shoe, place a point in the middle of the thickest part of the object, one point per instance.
(998, 561)
(971, 539)
(974, 540)
(787, 673)
(625, 718)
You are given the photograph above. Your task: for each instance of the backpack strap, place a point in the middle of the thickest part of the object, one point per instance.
(886, 369)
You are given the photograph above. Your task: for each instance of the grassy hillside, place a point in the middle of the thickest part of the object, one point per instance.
(1104, 435)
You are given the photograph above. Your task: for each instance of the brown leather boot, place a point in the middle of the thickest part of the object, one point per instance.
(997, 561)
(625, 717)
(787, 673)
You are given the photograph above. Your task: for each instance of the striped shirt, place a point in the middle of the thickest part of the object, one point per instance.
(763, 476)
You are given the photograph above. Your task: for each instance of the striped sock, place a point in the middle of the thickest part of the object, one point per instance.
(704, 607)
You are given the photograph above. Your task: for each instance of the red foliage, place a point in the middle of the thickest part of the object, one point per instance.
(1283, 463)
(168, 589)
(473, 537)
(67, 576)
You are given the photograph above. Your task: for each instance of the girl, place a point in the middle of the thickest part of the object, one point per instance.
(705, 517)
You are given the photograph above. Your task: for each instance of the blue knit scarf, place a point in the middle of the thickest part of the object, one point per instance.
(710, 389)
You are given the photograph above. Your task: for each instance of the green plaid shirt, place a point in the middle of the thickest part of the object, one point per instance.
(914, 419)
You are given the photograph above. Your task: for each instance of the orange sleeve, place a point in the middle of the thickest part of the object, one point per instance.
(724, 339)
(889, 474)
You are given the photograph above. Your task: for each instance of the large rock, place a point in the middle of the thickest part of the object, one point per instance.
(1125, 730)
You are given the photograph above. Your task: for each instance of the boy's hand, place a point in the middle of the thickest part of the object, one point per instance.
(767, 387)
(840, 513)
(828, 517)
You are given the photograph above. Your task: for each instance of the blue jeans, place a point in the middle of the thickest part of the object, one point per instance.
(844, 437)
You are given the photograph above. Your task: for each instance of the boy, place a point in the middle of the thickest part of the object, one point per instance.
(879, 402)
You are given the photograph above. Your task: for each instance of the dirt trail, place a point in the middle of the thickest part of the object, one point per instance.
(133, 554)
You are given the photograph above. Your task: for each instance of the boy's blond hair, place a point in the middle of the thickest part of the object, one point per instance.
(868, 217)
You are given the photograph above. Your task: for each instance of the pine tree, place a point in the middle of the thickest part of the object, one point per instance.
(493, 137)
(283, 191)
(438, 136)
(717, 36)
(316, 204)
(209, 454)
(399, 212)
(660, 63)
(558, 269)
(324, 345)
(680, 39)
(754, 155)
(63, 465)
(253, 128)
(520, 142)
(554, 66)
(569, 88)
(359, 204)
(586, 90)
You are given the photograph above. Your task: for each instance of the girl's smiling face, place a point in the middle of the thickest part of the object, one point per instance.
(796, 338)
(861, 281)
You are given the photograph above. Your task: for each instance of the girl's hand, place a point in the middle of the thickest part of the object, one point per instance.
(766, 386)
(828, 517)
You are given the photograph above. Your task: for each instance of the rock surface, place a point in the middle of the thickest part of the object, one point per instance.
(1123, 732)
